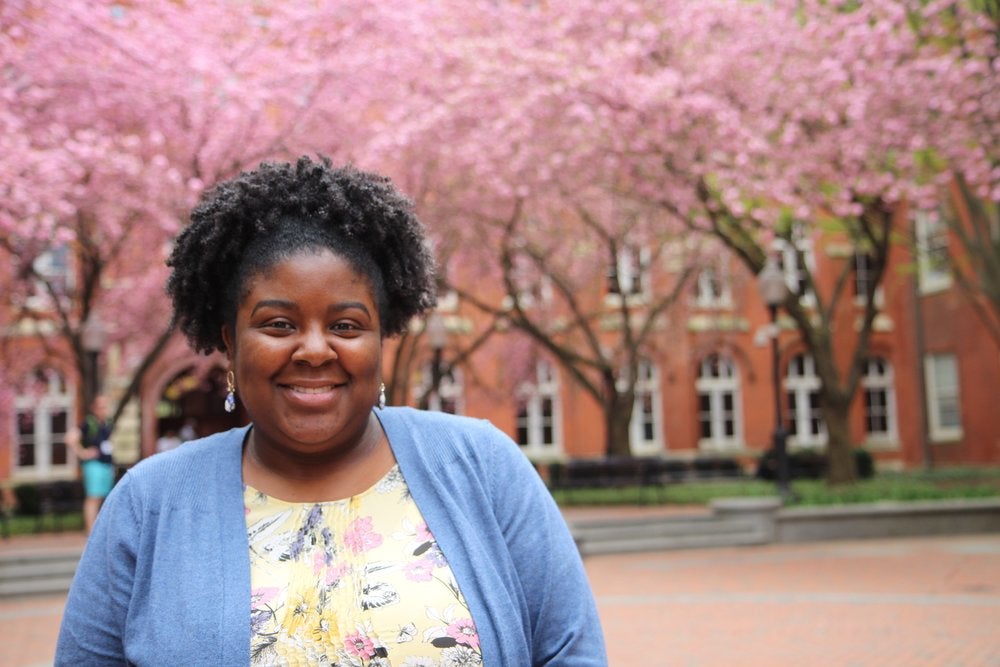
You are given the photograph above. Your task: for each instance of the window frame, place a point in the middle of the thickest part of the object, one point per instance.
(533, 395)
(451, 388)
(59, 397)
(717, 387)
(646, 392)
(885, 383)
(937, 431)
(931, 236)
(799, 390)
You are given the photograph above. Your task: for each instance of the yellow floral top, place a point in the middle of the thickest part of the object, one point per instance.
(359, 582)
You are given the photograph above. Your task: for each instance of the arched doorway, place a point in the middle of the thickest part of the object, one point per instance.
(191, 405)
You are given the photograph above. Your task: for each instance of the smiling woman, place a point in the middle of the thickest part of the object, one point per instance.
(331, 530)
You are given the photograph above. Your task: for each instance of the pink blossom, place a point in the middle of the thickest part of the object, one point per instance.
(424, 533)
(463, 631)
(421, 570)
(359, 536)
(359, 645)
(334, 574)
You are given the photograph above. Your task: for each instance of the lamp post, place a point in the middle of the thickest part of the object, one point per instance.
(773, 292)
(92, 339)
(437, 337)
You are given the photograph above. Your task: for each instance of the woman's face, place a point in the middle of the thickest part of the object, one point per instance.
(307, 352)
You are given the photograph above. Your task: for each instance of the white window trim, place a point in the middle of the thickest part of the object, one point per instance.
(634, 282)
(939, 432)
(788, 253)
(859, 299)
(716, 388)
(887, 384)
(930, 279)
(648, 384)
(44, 266)
(705, 296)
(544, 385)
(43, 406)
(802, 386)
(451, 387)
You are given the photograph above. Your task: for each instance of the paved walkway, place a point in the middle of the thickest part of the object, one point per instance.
(899, 602)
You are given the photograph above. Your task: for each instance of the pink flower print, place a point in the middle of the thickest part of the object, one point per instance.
(423, 533)
(359, 536)
(463, 631)
(335, 573)
(359, 645)
(262, 596)
(419, 570)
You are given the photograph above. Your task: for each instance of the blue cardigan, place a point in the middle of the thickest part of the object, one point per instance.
(165, 576)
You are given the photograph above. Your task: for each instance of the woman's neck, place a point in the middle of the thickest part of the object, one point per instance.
(332, 475)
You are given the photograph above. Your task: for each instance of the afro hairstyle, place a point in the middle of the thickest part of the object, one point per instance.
(244, 226)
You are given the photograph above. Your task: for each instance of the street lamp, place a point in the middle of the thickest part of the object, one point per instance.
(773, 292)
(437, 338)
(92, 339)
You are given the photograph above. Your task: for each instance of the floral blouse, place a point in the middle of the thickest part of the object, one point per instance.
(358, 582)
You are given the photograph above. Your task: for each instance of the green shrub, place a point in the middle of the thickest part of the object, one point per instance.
(29, 500)
(864, 463)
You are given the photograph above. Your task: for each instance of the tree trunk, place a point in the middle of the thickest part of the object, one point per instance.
(841, 468)
(617, 420)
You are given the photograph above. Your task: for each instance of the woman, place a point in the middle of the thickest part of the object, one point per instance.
(332, 530)
(92, 444)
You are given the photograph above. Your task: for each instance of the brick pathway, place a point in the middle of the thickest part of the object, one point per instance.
(899, 602)
(905, 602)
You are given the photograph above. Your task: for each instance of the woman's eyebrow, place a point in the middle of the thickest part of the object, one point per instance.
(347, 305)
(272, 303)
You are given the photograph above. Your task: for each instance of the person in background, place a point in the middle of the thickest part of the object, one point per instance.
(332, 530)
(92, 444)
(187, 431)
(167, 441)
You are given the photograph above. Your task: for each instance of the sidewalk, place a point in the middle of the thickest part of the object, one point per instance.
(905, 602)
(856, 603)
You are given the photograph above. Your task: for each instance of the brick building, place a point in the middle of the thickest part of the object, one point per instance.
(929, 392)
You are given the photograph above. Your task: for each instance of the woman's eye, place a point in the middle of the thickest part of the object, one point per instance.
(278, 324)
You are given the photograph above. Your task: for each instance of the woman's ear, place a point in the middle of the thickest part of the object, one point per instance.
(227, 339)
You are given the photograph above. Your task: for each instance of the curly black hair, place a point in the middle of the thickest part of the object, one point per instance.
(246, 225)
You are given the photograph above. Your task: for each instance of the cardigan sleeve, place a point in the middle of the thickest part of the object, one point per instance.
(565, 627)
(94, 618)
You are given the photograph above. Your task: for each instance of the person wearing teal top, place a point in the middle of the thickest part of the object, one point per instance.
(92, 443)
(298, 273)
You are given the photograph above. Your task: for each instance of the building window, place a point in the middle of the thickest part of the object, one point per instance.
(450, 391)
(55, 277)
(712, 289)
(538, 413)
(864, 276)
(533, 291)
(880, 400)
(795, 258)
(943, 401)
(630, 275)
(645, 427)
(931, 234)
(41, 424)
(718, 400)
(805, 420)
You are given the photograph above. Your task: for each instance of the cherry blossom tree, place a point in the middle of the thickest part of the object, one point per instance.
(115, 116)
(757, 124)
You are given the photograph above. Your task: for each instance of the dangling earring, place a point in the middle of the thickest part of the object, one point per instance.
(381, 396)
(231, 389)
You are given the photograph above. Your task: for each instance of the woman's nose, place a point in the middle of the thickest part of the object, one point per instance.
(315, 347)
